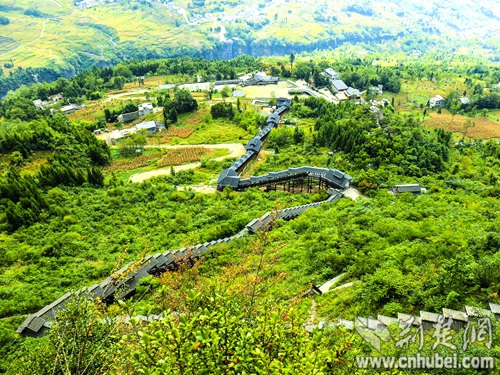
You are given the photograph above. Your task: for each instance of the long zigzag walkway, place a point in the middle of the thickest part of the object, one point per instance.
(123, 283)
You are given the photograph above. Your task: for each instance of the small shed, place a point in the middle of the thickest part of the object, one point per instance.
(415, 189)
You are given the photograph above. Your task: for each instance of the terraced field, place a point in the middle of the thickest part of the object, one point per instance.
(61, 34)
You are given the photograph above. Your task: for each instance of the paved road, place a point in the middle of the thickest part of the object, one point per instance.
(235, 151)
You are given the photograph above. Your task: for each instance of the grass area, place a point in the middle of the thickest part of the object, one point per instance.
(149, 81)
(217, 131)
(414, 93)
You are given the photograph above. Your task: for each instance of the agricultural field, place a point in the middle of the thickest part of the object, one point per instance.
(485, 128)
(156, 158)
(186, 155)
(415, 93)
(167, 136)
(204, 131)
(149, 158)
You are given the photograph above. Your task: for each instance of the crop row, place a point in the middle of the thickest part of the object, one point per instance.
(183, 156)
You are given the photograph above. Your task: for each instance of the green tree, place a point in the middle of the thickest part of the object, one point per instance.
(454, 109)
(16, 158)
(121, 70)
(292, 59)
(173, 116)
(225, 92)
(467, 125)
(80, 342)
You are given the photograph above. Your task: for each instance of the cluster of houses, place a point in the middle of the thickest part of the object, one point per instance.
(259, 79)
(341, 90)
(54, 99)
(250, 13)
(438, 101)
(86, 4)
(151, 127)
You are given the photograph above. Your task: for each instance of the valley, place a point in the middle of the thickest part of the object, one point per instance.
(133, 171)
(60, 38)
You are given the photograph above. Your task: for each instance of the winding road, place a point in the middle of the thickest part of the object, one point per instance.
(235, 151)
(33, 41)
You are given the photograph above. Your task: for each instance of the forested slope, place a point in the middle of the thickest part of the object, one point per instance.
(66, 225)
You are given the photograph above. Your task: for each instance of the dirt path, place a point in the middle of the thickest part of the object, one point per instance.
(29, 43)
(235, 151)
(55, 2)
(130, 92)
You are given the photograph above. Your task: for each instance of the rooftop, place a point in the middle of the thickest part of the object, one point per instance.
(146, 125)
(339, 85)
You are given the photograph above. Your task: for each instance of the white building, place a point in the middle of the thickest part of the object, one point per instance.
(436, 102)
(145, 109)
(332, 74)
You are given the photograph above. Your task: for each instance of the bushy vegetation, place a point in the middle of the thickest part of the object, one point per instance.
(64, 226)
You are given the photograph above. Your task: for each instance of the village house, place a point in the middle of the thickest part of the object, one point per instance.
(262, 78)
(339, 86)
(352, 93)
(39, 104)
(128, 117)
(332, 74)
(145, 109)
(56, 98)
(376, 90)
(436, 102)
(151, 126)
(70, 108)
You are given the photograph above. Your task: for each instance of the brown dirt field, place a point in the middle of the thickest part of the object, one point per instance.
(484, 129)
(166, 136)
(132, 163)
(183, 155)
(195, 120)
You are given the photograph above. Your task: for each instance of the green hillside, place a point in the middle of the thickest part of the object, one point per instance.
(71, 214)
(59, 37)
